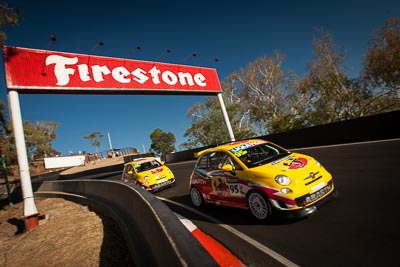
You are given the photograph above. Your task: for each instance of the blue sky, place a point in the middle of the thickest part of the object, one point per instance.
(235, 32)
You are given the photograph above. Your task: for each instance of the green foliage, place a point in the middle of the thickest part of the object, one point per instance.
(266, 94)
(330, 87)
(162, 142)
(382, 67)
(38, 137)
(265, 99)
(208, 123)
(3, 121)
(6, 140)
(94, 138)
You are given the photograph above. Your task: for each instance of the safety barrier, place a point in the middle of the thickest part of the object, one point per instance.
(153, 234)
(375, 127)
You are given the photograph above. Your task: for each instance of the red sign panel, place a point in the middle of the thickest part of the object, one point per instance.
(41, 71)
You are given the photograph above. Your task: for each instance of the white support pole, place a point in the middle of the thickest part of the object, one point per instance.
(109, 141)
(30, 211)
(228, 123)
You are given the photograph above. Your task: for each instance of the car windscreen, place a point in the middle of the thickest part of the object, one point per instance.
(148, 165)
(262, 154)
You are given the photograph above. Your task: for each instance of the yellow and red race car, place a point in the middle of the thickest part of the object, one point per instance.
(262, 177)
(149, 173)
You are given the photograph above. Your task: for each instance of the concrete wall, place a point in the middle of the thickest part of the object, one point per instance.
(154, 235)
(377, 127)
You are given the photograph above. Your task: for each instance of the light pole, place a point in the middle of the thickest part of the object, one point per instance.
(109, 141)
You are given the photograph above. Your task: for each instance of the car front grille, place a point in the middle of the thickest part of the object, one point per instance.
(162, 184)
(309, 198)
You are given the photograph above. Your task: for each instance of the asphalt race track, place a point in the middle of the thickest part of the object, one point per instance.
(358, 228)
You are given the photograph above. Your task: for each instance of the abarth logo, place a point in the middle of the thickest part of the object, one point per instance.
(312, 175)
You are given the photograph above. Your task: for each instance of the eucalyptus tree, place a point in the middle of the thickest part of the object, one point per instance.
(38, 138)
(381, 68)
(162, 142)
(272, 98)
(94, 138)
(208, 124)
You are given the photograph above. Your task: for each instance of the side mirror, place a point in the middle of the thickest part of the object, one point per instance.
(162, 162)
(130, 172)
(227, 168)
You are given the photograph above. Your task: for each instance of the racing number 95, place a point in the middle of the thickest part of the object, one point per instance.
(234, 189)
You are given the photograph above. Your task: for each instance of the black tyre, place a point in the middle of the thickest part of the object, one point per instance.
(197, 198)
(259, 205)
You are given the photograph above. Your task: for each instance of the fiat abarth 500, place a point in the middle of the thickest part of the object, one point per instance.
(149, 173)
(262, 177)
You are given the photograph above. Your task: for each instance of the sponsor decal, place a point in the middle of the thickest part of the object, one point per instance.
(295, 163)
(318, 194)
(217, 183)
(162, 184)
(198, 181)
(282, 159)
(239, 150)
(42, 70)
(157, 170)
(298, 163)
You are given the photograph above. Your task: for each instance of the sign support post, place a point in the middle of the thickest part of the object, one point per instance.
(226, 117)
(30, 211)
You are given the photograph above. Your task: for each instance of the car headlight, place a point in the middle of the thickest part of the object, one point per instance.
(282, 179)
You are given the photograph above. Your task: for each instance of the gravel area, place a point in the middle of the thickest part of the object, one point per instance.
(68, 234)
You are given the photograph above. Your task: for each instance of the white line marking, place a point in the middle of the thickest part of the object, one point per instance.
(239, 234)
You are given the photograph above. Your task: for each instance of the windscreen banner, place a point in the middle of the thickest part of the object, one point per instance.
(43, 71)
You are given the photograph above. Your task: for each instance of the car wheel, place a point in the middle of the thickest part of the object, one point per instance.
(197, 198)
(258, 205)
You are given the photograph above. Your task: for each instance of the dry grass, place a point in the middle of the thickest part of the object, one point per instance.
(69, 235)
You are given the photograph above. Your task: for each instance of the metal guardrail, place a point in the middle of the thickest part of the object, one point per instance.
(154, 235)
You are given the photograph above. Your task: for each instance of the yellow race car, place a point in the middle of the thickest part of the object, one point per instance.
(148, 173)
(262, 177)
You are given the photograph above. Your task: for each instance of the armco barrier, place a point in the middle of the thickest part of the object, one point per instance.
(154, 235)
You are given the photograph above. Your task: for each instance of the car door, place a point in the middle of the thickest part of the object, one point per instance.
(129, 174)
(221, 187)
(234, 188)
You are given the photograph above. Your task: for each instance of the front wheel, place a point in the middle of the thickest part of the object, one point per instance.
(196, 197)
(258, 205)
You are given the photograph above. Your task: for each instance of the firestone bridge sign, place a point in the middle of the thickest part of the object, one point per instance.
(41, 71)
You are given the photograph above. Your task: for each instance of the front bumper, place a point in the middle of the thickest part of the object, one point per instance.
(307, 211)
(157, 187)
